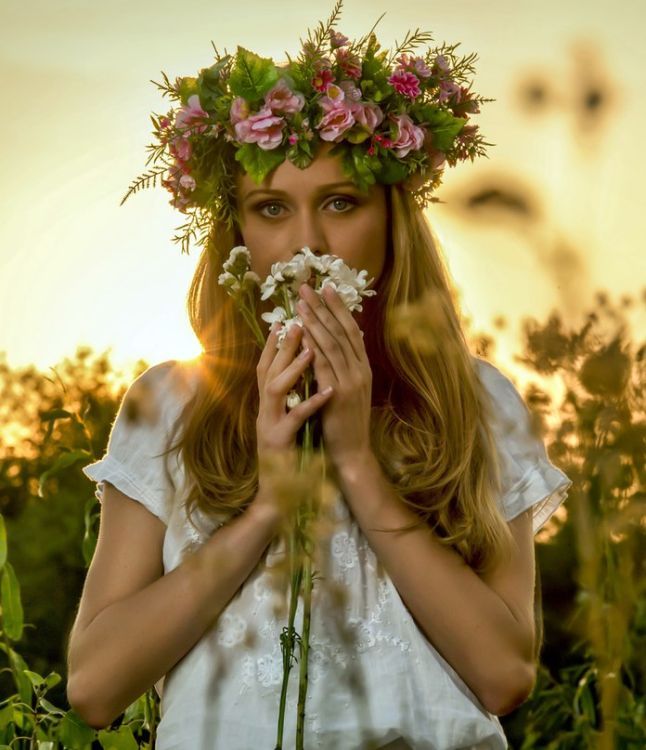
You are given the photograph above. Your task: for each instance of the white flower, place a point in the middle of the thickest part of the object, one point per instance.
(268, 288)
(277, 315)
(239, 260)
(228, 280)
(293, 399)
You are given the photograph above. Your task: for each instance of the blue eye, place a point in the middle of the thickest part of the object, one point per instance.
(264, 205)
(347, 201)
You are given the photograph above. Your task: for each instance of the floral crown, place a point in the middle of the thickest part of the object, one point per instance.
(394, 118)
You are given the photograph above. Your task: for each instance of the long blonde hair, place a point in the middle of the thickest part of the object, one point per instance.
(429, 428)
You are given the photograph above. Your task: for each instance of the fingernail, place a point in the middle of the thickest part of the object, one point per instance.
(327, 390)
(304, 353)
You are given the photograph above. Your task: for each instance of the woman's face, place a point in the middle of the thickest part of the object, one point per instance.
(317, 207)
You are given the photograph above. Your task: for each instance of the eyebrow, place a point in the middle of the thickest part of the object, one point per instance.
(321, 189)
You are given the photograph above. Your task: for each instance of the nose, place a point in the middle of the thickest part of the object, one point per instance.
(309, 232)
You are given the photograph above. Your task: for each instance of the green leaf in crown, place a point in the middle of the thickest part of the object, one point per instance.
(252, 76)
(443, 124)
(187, 87)
(211, 86)
(257, 162)
(392, 169)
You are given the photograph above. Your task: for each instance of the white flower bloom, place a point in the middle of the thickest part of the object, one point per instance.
(293, 399)
(287, 325)
(277, 315)
(239, 258)
(268, 287)
(229, 281)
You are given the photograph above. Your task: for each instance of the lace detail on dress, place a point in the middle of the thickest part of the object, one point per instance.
(231, 629)
(336, 635)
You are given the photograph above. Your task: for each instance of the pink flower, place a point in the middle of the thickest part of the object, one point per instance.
(409, 136)
(187, 182)
(180, 148)
(368, 114)
(414, 64)
(336, 122)
(334, 97)
(351, 90)
(465, 104)
(191, 113)
(321, 79)
(405, 83)
(292, 138)
(447, 90)
(281, 98)
(337, 39)
(239, 110)
(441, 65)
(262, 128)
(350, 64)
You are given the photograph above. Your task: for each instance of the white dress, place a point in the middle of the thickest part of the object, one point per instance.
(224, 693)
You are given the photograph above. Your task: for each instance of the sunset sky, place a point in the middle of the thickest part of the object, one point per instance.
(76, 268)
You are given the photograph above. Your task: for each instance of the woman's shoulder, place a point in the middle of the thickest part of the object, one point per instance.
(162, 389)
(500, 388)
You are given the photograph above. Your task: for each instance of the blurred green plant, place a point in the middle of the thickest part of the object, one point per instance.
(590, 687)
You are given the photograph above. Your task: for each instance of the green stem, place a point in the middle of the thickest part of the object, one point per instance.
(304, 651)
(288, 637)
(308, 449)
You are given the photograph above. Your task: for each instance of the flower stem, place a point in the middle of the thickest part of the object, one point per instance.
(287, 639)
(304, 651)
(306, 581)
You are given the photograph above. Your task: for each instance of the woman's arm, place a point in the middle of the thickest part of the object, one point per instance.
(131, 643)
(483, 626)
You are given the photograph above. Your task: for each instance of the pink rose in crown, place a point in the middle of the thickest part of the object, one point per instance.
(239, 110)
(368, 114)
(281, 98)
(406, 84)
(263, 128)
(335, 122)
(190, 116)
(409, 137)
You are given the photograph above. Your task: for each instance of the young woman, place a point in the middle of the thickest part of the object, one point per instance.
(441, 617)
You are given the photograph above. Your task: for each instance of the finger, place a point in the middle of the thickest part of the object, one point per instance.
(285, 381)
(331, 343)
(269, 350)
(286, 351)
(306, 408)
(345, 318)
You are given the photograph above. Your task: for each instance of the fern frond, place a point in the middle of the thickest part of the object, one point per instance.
(411, 40)
(143, 181)
(167, 88)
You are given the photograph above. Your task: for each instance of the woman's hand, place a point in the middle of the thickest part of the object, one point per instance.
(340, 361)
(278, 371)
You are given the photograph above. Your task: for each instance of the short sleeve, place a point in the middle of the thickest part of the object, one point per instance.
(141, 431)
(529, 478)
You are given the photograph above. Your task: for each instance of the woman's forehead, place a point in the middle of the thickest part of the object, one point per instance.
(323, 170)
